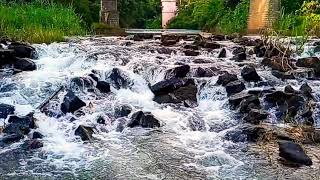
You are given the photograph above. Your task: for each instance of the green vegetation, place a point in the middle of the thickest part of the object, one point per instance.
(213, 15)
(38, 22)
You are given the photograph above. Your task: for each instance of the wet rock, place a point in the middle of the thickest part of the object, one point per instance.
(121, 124)
(118, 79)
(84, 132)
(211, 45)
(190, 104)
(282, 75)
(255, 116)
(191, 46)
(167, 86)
(293, 153)
(250, 74)
(23, 120)
(103, 86)
(81, 83)
(203, 72)
(10, 138)
(282, 64)
(7, 56)
(71, 103)
(25, 64)
(32, 144)
(248, 103)
(163, 50)
(94, 77)
(169, 40)
(289, 89)
(101, 120)
(310, 62)
(238, 49)
(235, 87)
(226, 78)
(143, 119)
(306, 90)
(23, 50)
(178, 72)
(247, 132)
(197, 124)
(19, 125)
(239, 57)
(122, 111)
(191, 53)
(37, 135)
(236, 99)
(6, 110)
(218, 37)
(222, 53)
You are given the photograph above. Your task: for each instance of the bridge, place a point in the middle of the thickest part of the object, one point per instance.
(262, 15)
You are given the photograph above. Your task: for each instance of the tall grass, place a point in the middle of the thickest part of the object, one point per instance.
(38, 22)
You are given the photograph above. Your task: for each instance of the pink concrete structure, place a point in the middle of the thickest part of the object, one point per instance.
(169, 10)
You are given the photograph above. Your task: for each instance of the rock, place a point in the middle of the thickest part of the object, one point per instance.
(169, 39)
(250, 74)
(278, 63)
(71, 103)
(289, 89)
(23, 120)
(25, 64)
(191, 47)
(7, 56)
(211, 45)
(282, 75)
(32, 144)
(203, 72)
(239, 57)
(163, 50)
(226, 78)
(168, 42)
(236, 99)
(306, 90)
(94, 77)
(19, 125)
(136, 37)
(101, 120)
(277, 97)
(218, 37)
(6, 110)
(103, 86)
(121, 124)
(222, 53)
(81, 83)
(143, 119)
(247, 132)
(248, 103)
(11, 138)
(197, 124)
(310, 62)
(293, 153)
(167, 86)
(118, 79)
(122, 111)
(37, 135)
(84, 132)
(23, 50)
(238, 49)
(235, 87)
(178, 72)
(191, 53)
(190, 104)
(255, 116)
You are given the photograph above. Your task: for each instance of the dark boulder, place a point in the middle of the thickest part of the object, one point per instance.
(163, 50)
(226, 78)
(222, 53)
(178, 72)
(71, 103)
(308, 62)
(25, 64)
(293, 153)
(282, 75)
(218, 37)
(24, 120)
(239, 57)
(236, 99)
(143, 119)
(238, 49)
(6, 110)
(282, 64)
(32, 144)
(19, 125)
(84, 132)
(103, 86)
(167, 86)
(37, 135)
(250, 74)
(197, 124)
(203, 72)
(235, 87)
(289, 89)
(168, 42)
(248, 103)
(169, 39)
(246, 132)
(306, 90)
(94, 77)
(10, 138)
(191, 46)
(118, 79)
(81, 83)
(191, 52)
(211, 45)
(121, 124)
(122, 111)
(7, 56)
(101, 120)
(23, 50)
(255, 116)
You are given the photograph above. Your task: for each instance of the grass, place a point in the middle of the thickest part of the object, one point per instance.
(38, 22)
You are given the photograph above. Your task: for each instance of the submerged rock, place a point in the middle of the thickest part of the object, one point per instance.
(293, 153)
(32, 144)
(84, 132)
(71, 103)
(103, 87)
(250, 74)
(118, 79)
(122, 111)
(10, 138)
(143, 119)
(6, 110)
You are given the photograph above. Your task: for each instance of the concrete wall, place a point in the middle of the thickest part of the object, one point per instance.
(169, 10)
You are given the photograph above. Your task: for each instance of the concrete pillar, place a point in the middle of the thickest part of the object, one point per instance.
(169, 11)
(262, 15)
(109, 13)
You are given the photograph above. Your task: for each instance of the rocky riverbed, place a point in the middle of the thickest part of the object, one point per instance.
(169, 107)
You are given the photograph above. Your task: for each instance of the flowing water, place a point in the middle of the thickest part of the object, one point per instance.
(189, 145)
